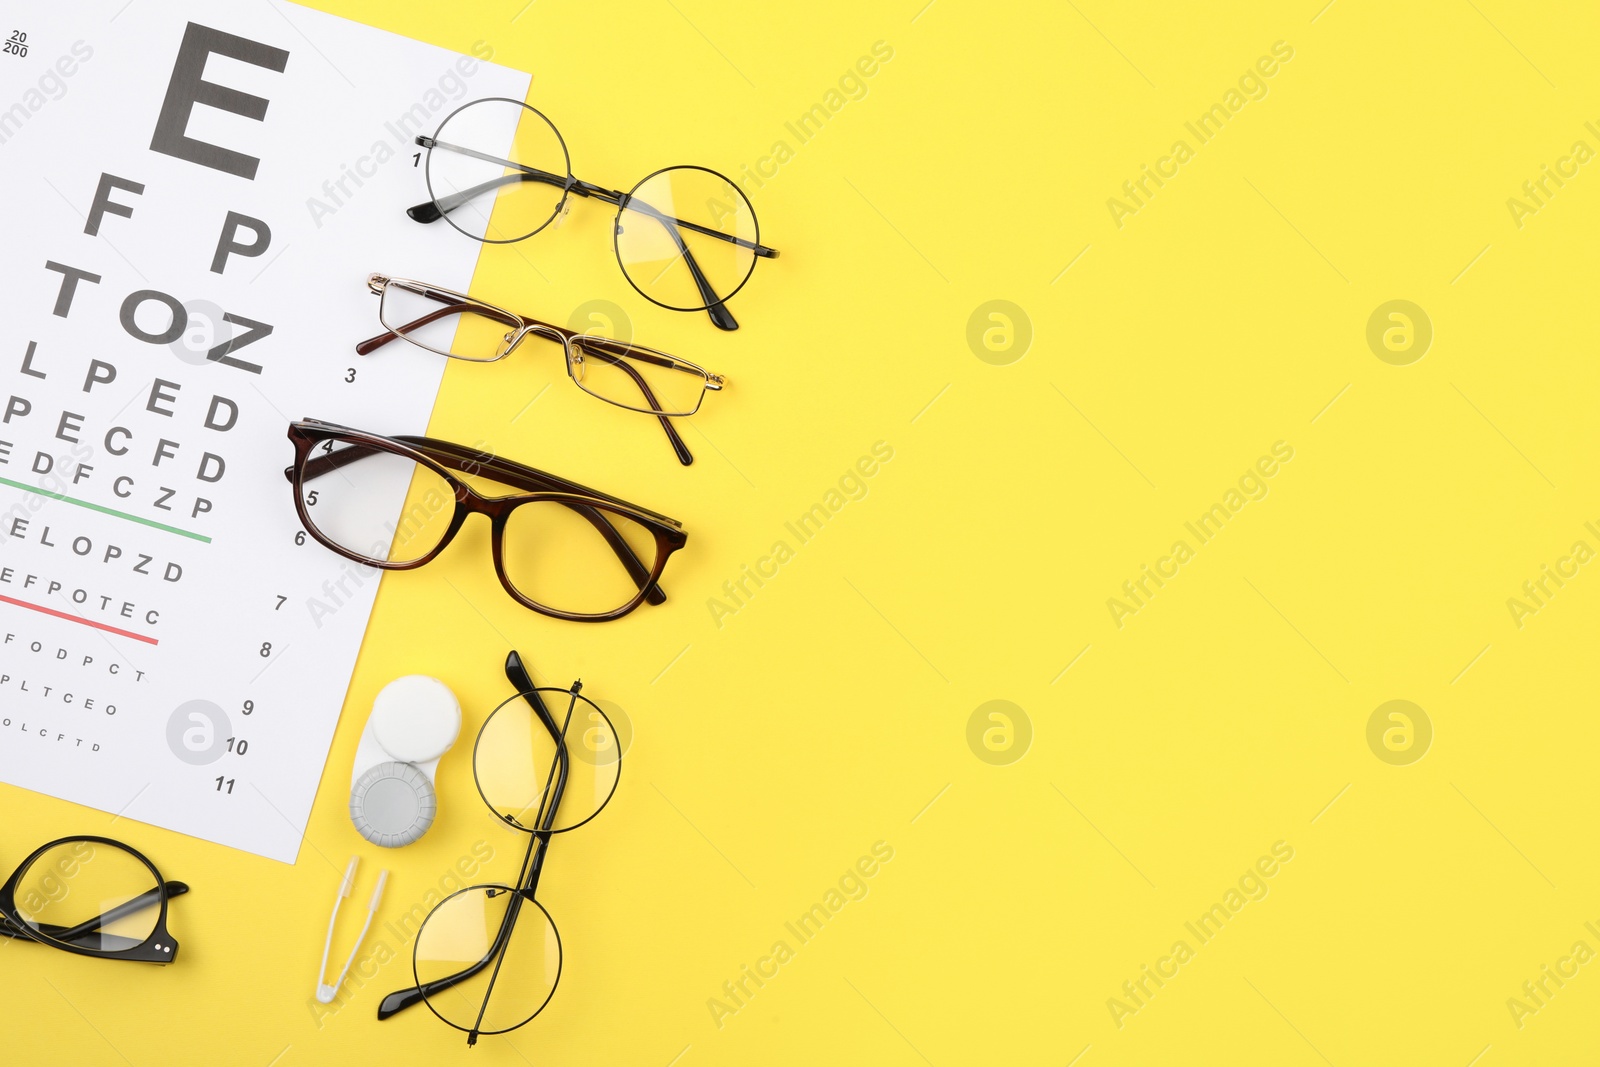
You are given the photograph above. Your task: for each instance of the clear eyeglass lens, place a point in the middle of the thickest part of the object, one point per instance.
(443, 323)
(474, 928)
(517, 767)
(89, 895)
(684, 222)
(498, 171)
(636, 378)
(377, 504)
(577, 557)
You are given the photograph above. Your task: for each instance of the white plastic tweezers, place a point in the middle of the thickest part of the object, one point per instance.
(326, 993)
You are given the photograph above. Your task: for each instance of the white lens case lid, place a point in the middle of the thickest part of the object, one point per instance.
(414, 721)
(415, 718)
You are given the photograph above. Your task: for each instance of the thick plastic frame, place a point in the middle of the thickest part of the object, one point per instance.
(159, 947)
(446, 459)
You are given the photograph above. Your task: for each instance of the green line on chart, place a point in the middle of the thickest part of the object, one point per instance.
(103, 510)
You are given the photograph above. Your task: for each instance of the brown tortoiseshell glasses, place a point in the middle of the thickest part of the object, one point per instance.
(560, 548)
(463, 327)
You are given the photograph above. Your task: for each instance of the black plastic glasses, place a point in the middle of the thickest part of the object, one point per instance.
(686, 237)
(92, 896)
(487, 958)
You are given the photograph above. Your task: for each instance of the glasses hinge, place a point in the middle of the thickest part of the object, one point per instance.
(715, 381)
(376, 282)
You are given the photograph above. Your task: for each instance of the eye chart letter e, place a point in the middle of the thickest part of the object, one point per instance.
(188, 87)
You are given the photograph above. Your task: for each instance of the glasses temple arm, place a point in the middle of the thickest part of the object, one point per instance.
(649, 209)
(517, 675)
(401, 999)
(550, 801)
(89, 926)
(685, 457)
(434, 210)
(721, 317)
(523, 476)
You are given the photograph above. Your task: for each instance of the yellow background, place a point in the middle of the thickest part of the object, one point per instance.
(1230, 713)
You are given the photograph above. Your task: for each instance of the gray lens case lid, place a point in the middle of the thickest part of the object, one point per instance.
(414, 721)
(392, 804)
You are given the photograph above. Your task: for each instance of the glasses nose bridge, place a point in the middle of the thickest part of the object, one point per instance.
(538, 329)
(476, 503)
(492, 507)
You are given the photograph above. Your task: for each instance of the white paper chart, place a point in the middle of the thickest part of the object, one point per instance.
(194, 195)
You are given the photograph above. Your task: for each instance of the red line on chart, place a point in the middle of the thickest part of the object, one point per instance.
(80, 619)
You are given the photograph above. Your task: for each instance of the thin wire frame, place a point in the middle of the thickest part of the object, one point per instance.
(631, 200)
(452, 303)
(448, 461)
(540, 836)
(441, 204)
(519, 327)
(158, 947)
(447, 201)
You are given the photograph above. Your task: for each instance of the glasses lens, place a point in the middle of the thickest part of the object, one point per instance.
(681, 228)
(90, 895)
(442, 322)
(498, 170)
(640, 379)
(503, 951)
(376, 504)
(517, 766)
(577, 557)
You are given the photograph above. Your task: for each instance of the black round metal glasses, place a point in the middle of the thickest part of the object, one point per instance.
(487, 958)
(685, 237)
